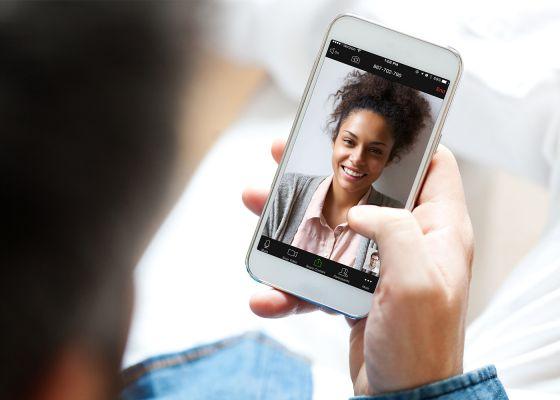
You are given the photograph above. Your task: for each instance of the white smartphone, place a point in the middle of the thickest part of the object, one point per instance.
(366, 129)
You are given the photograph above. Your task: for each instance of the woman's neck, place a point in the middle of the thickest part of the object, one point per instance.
(337, 203)
(342, 198)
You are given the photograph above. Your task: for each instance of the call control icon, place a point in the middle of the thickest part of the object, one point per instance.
(292, 253)
(355, 59)
(318, 263)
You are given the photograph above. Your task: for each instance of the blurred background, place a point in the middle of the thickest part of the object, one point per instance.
(251, 62)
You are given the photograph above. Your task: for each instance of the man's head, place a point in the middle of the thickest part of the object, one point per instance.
(87, 103)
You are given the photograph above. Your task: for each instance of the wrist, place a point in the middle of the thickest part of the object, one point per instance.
(426, 376)
(482, 383)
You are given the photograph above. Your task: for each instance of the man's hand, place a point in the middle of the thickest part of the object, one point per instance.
(414, 332)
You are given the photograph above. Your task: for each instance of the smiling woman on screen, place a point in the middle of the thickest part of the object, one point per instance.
(374, 123)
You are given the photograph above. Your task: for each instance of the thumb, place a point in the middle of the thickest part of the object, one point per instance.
(398, 236)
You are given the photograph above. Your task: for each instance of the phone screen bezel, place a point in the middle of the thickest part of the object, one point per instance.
(355, 31)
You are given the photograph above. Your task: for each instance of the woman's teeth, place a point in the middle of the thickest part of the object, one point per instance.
(352, 173)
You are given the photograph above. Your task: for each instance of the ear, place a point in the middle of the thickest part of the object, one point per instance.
(76, 374)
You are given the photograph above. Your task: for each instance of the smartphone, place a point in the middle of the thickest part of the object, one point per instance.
(365, 131)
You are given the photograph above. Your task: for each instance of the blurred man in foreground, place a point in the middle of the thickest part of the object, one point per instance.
(87, 94)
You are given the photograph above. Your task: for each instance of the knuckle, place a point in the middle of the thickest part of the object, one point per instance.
(444, 153)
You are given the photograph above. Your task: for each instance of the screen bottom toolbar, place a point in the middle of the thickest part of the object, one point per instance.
(320, 265)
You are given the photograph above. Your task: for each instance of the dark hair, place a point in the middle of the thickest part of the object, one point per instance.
(87, 104)
(402, 107)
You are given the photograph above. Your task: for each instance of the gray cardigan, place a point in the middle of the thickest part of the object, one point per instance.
(291, 201)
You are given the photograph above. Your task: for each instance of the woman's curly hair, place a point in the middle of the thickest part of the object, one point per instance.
(403, 108)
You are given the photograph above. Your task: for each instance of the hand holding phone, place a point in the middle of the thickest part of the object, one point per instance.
(367, 127)
(414, 332)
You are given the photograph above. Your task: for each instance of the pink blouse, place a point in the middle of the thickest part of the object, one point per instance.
(316, 236)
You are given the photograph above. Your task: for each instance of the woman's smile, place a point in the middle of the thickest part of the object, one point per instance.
(352, 174)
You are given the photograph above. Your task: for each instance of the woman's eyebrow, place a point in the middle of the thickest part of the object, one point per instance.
(351, 134)
(356, 137)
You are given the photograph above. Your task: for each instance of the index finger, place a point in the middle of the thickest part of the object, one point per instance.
(277, 149)
(253, 198)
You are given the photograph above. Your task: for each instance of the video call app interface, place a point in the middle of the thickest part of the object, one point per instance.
(382, 111)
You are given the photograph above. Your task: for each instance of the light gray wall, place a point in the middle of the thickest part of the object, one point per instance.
(312, 151)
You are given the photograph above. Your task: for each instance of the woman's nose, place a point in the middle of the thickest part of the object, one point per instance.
(357, 156)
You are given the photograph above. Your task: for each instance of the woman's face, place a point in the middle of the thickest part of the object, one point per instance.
(361, 150)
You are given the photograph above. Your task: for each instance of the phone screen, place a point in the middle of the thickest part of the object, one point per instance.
(362, 139)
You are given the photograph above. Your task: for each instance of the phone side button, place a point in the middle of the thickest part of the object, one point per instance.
(437, 143)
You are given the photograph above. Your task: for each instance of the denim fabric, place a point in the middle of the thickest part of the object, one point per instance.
(481, 384)
(250, 366)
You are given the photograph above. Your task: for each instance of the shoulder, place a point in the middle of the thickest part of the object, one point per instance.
(379, 199)
(292, 181)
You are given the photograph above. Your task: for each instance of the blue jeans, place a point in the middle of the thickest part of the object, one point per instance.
(250, 366)
(254, 366)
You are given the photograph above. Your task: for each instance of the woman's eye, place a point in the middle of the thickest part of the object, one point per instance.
(376, 151)
(347, 141)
